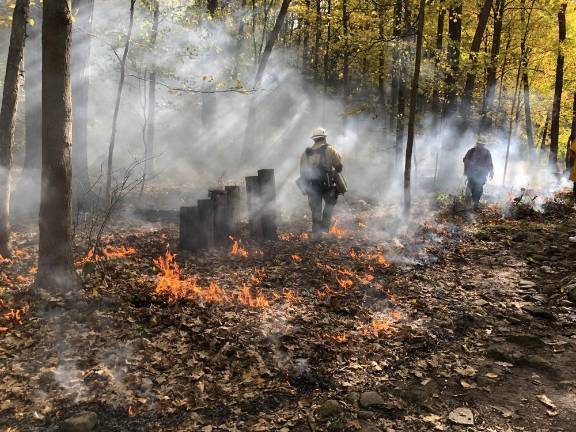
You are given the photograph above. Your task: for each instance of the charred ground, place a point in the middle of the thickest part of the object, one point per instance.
(453, 312)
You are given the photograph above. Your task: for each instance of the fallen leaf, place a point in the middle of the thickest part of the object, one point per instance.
(546, 401)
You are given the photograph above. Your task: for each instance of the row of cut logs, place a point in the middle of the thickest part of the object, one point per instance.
(213, 221)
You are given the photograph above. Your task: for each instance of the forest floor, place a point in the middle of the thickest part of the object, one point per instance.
(460, 323)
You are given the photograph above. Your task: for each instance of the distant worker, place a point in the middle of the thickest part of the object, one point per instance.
(320, 166)
(477, 168)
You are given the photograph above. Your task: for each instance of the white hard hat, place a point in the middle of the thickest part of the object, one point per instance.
(319, 133)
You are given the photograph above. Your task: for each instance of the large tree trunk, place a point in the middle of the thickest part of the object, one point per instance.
(453, 57)
(474, 50)
(491, 79)
(119, 91)
(239, 40)
(81, 44)
(55, 260)
(250, 133)
(412, 113)
(33, 91)
(10, 95)
(559, 83)
(151, 120)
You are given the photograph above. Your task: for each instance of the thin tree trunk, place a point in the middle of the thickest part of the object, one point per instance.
(544, 135)
(346, 53)
(559, 83)
(528, 114)
(491, 79)
(306, 39)
(453, 56)
(250, 133)
(474, 50)
(572, 137)
(239, 40)
(55, 260)
(327, 48)
(151, 120)
(81, 44)
(212, 7)
(33, 90)
(436, 96)
(117, 105)
(317, 39)
(511, 125)
(10, 95)
(412, 113)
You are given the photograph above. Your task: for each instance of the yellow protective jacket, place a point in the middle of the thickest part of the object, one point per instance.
(312, 162)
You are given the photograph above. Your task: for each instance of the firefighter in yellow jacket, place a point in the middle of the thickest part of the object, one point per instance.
(317, 167)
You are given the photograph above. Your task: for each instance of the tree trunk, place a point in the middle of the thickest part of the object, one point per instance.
(544, 135)
(327, 48)
(453, 57)
(474, 50)
(528, 114)
(33, 90)
(436, 96)
(412, 113)
(559, 83)
(150, 124)
(346, 53)
(119, 90)
(306, 39)
(81, 43)
(250, 133)
(491, 79)
(239, 40)
(212, 7)
(10, 95)
(55, 260)
(317, 40)
(572, 137)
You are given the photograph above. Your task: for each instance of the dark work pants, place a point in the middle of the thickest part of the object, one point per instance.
(322, 204)
(476, 186)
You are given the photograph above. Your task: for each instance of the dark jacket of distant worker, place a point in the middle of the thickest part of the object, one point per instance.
(477, 168)
(317, 167)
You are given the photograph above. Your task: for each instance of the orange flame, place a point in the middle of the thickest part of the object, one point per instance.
(237, 249)
(131, 411)
(344, 283)
(337, 232)
(337, 337)
(15, 315)
(296, 258)
(170, 284)
(379, 326)
(107, 253)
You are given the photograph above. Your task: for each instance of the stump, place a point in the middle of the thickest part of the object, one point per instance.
(267, 186)
(253, 201)
(233, 201)
(220, 204)
(188, 228)
(205, 223)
